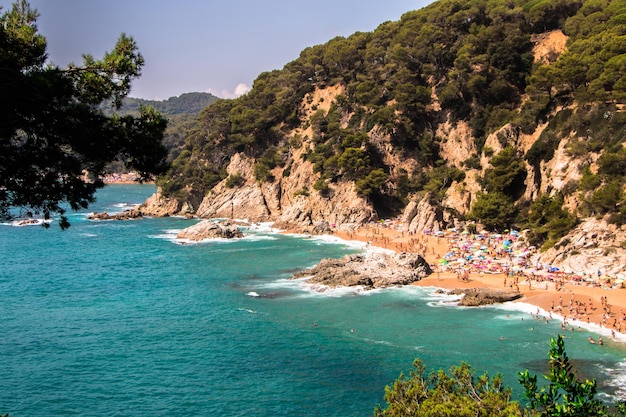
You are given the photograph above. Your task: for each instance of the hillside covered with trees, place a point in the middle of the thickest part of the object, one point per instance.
(503, 113)
(181, 113)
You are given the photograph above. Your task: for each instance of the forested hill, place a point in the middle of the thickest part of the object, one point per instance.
(503, 113)
(188, 103)
(181, 113)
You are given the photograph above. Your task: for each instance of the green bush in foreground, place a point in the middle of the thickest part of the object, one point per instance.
(459, 393)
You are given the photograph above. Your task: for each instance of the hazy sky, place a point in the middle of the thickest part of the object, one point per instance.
(217, 46)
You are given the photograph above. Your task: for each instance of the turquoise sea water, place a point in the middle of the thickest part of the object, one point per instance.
(118, 319)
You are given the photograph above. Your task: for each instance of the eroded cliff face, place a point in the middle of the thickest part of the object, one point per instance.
(291, 201)
(594, 247)
(286, 201)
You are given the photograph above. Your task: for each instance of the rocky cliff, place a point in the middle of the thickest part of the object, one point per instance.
(464, 116)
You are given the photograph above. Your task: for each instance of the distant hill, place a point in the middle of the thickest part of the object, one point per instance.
(181, 113)
(188, 103)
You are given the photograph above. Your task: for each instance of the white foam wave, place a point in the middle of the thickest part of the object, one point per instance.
(27, 222)
(125, 205)
(258, 238)
(533, 310)
(314, 290)
(265, 227)
(203, 241)
(303, 288)
(337, 240)
(172, 236)
(379, 342)
(247, 310)
(617, 379)
(393, 345)
(168, 234)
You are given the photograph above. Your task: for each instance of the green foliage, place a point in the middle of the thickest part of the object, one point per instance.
(460, 393)
(406, 184)
(588, 180)
(188, 103)
(549, 221)
(354, 162)
(473, 162)
(564, 395)
(613, 164)
(371, 183)
(303, 192)
(494, 210)
(439, 179)
(606, 198)
(181, 114)
(234, 180)
(321, 185)
(507, 175)
(457, 393)
(543, 149)
(269, 160)
(465, 61)
(53, 129)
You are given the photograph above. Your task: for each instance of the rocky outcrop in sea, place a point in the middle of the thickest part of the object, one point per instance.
(475, 297)
(369, 270)
(207, 229)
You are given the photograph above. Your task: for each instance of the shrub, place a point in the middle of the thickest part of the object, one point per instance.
(304, 191)
(371, 183)
(234, 180)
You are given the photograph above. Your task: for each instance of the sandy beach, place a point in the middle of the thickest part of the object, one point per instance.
(588, 303)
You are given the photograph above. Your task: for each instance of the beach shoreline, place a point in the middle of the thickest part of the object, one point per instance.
(576, 305)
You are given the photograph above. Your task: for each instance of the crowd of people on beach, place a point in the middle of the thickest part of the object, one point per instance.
(484, 253)
(468, 255)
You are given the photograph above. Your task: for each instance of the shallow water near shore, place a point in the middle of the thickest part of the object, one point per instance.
(117, 318)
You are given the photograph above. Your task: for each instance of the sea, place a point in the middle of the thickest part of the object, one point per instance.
(119, 318)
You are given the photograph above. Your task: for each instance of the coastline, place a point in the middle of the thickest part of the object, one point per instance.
(600, 309)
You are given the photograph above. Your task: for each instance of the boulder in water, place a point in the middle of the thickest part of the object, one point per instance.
(207, 229)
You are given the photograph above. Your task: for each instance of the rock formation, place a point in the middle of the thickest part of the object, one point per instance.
(475, 297)
(370, 270)
(125, 215)
(593, 246)
(207, 229)
(300, 194)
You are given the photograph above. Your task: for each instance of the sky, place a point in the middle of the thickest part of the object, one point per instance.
(215, 46)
